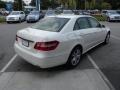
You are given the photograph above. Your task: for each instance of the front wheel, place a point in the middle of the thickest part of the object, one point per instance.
(74, 58)
(107, 39)
(20, 20)
(108, 19)
(8, 22)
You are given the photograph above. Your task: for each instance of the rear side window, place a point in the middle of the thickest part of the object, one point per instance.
(94, 23)
(76, 27)
(83, 23)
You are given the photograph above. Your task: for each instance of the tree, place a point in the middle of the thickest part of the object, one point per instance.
(89, 2)
(2, 4)
(106, 5)
(65, 3)
(18, 4)
(45, 4)
(33, 3)
(115, 4)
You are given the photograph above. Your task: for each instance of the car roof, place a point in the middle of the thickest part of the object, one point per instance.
(70, 16)
(17, 11)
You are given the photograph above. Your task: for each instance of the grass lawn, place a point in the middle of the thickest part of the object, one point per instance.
(2, 19)
(100, 17)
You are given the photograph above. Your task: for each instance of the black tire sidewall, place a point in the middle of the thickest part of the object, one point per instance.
(20, 20)
(105, 42)
(108, 19)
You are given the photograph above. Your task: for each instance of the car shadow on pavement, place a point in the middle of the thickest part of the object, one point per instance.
(20, 65)
(97, 48)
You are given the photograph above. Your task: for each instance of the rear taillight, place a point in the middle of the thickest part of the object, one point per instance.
(16, 38)
(46, 46)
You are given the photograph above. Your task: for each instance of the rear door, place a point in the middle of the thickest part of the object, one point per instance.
(98, 30)
(84, 31)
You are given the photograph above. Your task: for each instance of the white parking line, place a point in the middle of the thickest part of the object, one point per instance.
(101, 73)
(115, 37)
(9, 63)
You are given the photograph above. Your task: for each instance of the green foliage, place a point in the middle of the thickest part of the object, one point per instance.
(115, 4)
(45, 4)
(2, 4)
(72, 4)
(106, 5)
(2, 19)
(98, 6)
(18, 5)
(100, 17)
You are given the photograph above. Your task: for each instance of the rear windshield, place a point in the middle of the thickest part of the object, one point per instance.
(34, 13)
(52, 24)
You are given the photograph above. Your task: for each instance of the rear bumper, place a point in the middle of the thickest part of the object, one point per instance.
(31, 20)
(42, 61)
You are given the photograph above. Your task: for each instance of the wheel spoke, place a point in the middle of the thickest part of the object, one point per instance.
(76, 57)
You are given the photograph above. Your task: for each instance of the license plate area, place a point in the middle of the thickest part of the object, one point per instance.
(25, 43)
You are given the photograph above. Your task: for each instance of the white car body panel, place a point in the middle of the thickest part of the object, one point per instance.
(68, 39)
(15, 17)
(113, 17)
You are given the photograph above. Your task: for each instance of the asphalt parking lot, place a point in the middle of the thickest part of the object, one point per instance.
(106, 58)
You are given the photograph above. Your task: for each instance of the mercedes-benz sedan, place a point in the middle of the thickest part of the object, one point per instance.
(33, 16)
(113, 16)
(58, 40)
(16, 16)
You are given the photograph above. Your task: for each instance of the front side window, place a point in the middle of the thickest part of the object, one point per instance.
(83, 23)
(94, 23)
(53, 24)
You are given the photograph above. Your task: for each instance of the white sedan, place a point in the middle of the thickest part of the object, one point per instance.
(113, 16)
(33, 16)
(61, 39)
(15, 16)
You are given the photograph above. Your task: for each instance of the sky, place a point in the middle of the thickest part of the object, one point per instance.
(7, 0)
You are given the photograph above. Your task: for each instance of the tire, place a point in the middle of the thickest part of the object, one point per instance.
(20, 20)
(74, 58)
(28, 22)
(107, 39)
(8, 22)
(108, 19)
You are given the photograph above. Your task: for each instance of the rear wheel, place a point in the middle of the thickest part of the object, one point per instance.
(28, 22)
(107, 39)
(74, 58)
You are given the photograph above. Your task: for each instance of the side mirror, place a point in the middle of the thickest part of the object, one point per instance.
(102, 26)
(99, 26)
